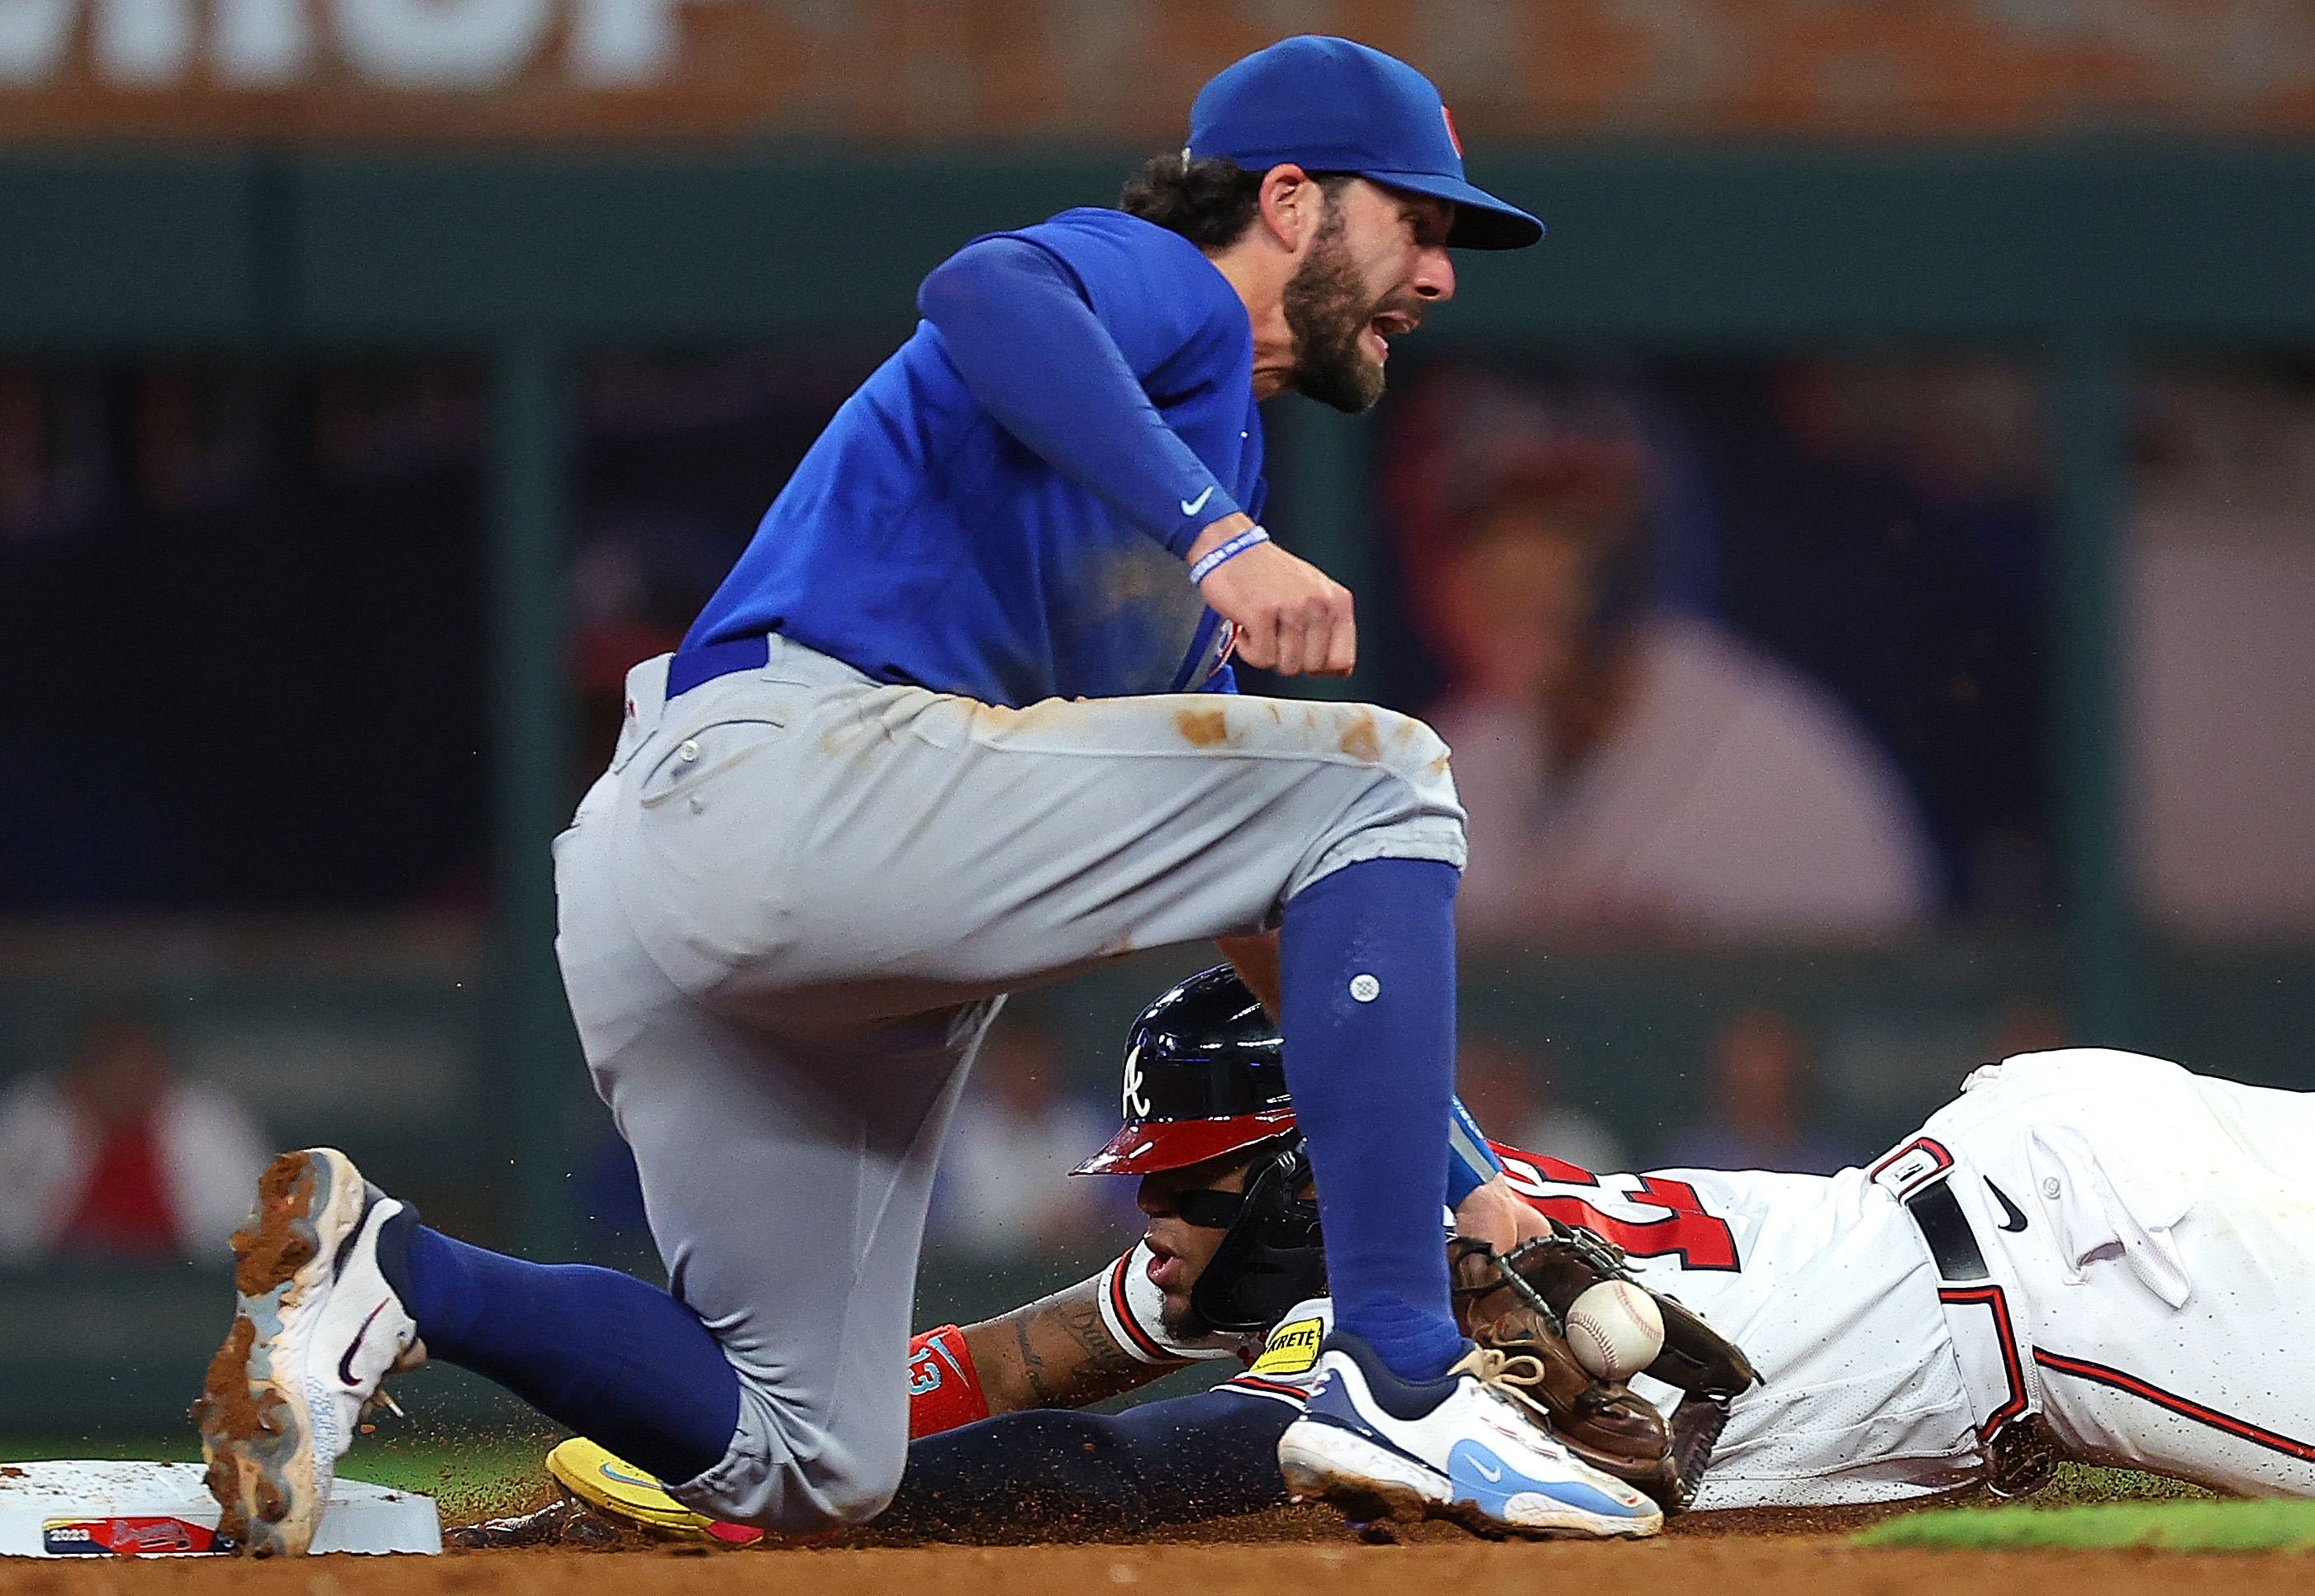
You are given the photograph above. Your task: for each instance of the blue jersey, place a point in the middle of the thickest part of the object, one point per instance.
(1001, 509)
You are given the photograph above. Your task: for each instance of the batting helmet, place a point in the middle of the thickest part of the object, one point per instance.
(1204, 1079)
(1204, 1076)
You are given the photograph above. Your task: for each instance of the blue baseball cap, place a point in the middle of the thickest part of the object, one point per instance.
(1332, 105)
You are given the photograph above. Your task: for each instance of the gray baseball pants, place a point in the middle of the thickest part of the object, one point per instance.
(790, 907)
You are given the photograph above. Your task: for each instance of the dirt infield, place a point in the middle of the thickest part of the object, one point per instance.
(1273, 1554)
(1723, 1567)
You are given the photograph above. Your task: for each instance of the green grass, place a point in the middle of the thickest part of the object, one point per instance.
(470, 1475)
(183, 1448)
(2077, 1485)
(2161, 1526)
(468, 1481)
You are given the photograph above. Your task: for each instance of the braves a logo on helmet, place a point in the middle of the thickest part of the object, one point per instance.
(1136, 1107)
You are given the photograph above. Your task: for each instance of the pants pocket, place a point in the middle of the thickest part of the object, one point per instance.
(690, 765)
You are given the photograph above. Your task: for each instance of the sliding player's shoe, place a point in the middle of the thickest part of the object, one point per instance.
(1458, 1448)
(629, 1499)
(316, 1330)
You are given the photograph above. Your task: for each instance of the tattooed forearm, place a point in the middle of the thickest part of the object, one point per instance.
(1070, 1356)
(1054, 1353)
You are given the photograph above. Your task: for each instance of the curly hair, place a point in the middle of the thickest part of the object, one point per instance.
(1210, 201)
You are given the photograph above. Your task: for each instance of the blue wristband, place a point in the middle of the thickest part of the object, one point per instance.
(1215, 559)
(1471, 1162)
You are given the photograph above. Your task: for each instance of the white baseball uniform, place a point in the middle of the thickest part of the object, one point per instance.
(2096, 1237)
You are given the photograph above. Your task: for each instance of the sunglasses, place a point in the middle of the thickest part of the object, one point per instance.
(1208, 1210)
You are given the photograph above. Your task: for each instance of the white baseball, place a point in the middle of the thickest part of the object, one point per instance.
(1614, 1329)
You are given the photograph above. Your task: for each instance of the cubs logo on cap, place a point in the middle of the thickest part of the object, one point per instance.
(1334, 105)
(1204, 1076)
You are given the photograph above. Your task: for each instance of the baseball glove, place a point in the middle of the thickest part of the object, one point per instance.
(1517, 1304)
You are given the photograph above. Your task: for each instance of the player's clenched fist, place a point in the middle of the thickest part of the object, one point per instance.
(1291, 618)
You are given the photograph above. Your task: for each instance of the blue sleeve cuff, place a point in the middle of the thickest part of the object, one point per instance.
(1471, 1162)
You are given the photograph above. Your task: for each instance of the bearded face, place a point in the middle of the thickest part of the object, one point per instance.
(1330, 312)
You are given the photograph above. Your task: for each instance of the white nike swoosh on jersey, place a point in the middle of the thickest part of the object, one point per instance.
(1191, 507)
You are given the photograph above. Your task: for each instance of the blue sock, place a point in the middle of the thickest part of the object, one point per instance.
(622, 1362)
(1367, 960)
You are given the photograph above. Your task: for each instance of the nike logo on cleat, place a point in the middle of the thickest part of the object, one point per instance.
(1191, 507)
(1489, 1474)
(2017, 1220)
(346, 1363)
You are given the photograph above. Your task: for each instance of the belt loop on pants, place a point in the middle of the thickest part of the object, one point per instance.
(646, 701)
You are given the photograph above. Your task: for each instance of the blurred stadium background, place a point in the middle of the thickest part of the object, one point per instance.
(379, 378)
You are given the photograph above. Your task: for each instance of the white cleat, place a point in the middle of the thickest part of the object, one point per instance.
(316, 1330)
(1379, 1447)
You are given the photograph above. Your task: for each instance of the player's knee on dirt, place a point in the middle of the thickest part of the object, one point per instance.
(796, 1478)
(789, 1498)
(859, 1500)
